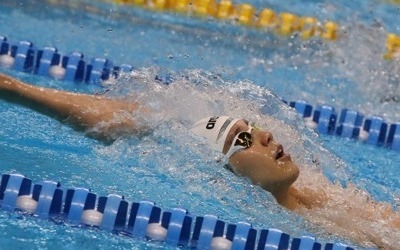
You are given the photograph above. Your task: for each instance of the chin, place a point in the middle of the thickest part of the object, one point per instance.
(283, 183)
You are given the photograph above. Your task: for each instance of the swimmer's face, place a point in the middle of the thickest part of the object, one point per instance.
(264, 162)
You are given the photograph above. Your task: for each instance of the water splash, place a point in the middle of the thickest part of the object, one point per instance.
(196, 94)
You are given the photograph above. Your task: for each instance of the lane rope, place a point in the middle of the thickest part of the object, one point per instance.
(143, 219)
(284, 23)
(392, 47)
(244, 14)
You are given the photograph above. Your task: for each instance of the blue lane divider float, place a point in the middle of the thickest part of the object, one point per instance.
(74, 67)
(376, 128)
(325, 119)
(351, 124)
(143, 219)
(276, 239)
(306, 242)
(48, 197)
(47, 58)
(393, 139)
(23, 56)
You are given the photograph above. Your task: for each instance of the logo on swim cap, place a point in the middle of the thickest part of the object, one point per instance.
(215, 129)
(211, 122)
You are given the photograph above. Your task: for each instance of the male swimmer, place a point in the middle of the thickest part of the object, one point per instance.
(271, 168)
(252, 153)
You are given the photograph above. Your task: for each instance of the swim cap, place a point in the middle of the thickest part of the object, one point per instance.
(215, 129)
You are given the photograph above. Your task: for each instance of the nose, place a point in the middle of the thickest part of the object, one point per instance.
(265, 138)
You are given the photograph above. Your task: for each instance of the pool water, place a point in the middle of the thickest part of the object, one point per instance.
(209, 60)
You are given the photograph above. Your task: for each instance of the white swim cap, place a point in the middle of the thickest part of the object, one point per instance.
(215, 129)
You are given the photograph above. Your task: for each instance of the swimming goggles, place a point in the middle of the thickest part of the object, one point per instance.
(241, 141)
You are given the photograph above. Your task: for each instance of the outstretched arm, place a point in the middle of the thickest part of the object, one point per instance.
(109, 117)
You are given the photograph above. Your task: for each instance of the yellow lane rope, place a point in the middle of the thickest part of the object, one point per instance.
(393, 1)
(284, 23)
(392, 46)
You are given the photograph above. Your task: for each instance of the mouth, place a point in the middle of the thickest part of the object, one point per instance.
(279, 152)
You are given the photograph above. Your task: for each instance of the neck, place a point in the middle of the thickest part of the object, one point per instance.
(287, 198)
(293, 198)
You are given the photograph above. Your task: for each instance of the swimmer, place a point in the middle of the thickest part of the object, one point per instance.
(250, 152)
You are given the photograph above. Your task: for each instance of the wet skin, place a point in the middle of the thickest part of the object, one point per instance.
(264, 162)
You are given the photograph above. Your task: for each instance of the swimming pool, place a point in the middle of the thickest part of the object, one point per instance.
(56, 152)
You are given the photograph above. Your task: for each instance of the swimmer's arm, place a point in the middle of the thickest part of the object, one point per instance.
(86, 111)
(381, 211)
(310, 199)
(371, 212)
